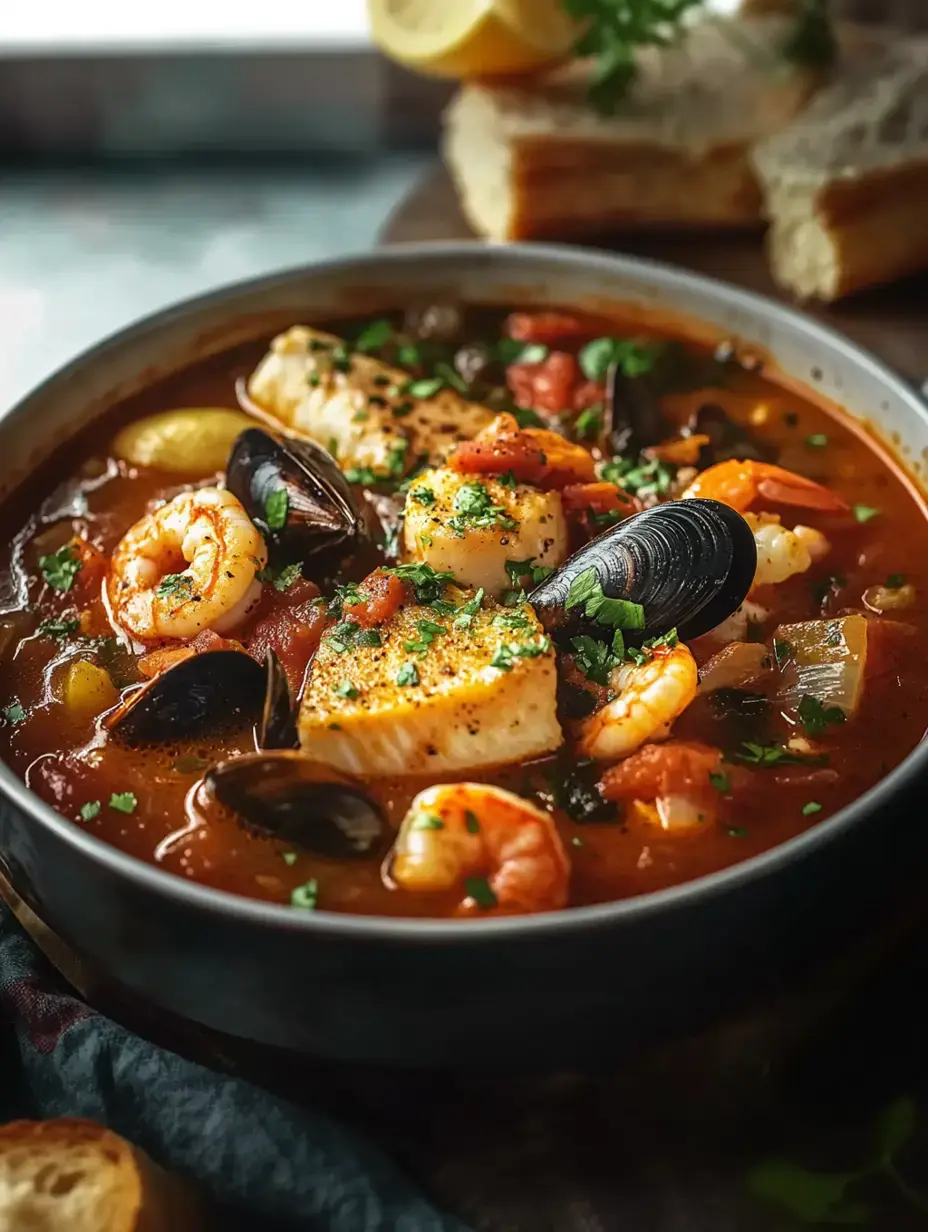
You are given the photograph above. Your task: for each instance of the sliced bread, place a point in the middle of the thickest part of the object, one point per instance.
(846, 187)
(534, 159)
(72, 1175)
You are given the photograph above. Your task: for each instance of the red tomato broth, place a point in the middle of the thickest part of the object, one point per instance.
(70, 765)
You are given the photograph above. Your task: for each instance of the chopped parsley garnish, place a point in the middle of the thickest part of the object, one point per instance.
(409, 355)
(507, 654)
(275, 509)
(525, 417)
(895, 581)
(766, 755)
(14, 713)
(366, 477)
(782, 652)
(481, 892)
(511, 620)
(123, 801)
(348, 594)
(815, 717)
(451, 377)
(347, 689)
(427, 821)
(721, 783)
(511, 351)
(426, 581)
(865, 513)
(281, 579)
(589, 423)
(423, 496)
(667, 641)
(61, 628)
(60, 568)
(177, 586)
(464, 615)
(407, 675)
(90, 810)
(471, 822)
(374, 336)
(652, 478)
(348, 634)
(427, 387)
(519, 569)
(475, 508)
(586, 591)
(595, 659)
(633, 358)
(289, 858)
(508, 479)
(402, 409)
(306, 897)
(428, 630)
(818, 440)
(810, 809)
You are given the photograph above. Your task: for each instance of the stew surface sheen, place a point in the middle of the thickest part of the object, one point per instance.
(785, 728)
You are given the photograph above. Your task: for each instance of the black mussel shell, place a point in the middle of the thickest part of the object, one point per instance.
(689, 563)
(277, 728)
(634, 418)
(214, 691)
(288, 796)
(320, 519)
(727, 439)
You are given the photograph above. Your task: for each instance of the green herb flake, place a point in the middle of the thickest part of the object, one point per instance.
(61, 568)
(289, 858)
(471, 822)
(589, 423)
(586, 591)
(14, 713)
(61, 628)
(427, 821)
(721, 783)
(124, 801)
(428, 630)
(275, 509)
(427, 582)
(402, 409)
(507, 654)
(474, 508)
(408, 675)
(423, 496)
(90, 810)
(347, 689)
(464, 615)
(766, 755)
(815, 717)
(374, 336)
(865, 513)
(507, 479)
(306, 897)
(480, 890)
(633, 358)
(810, 809)
(177, 586)
(818, 440)
(427, 387)
(368, 637)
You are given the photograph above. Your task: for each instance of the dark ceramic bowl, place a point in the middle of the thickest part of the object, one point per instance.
(578, 986)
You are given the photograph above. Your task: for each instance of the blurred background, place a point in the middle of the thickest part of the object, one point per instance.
(148, 152)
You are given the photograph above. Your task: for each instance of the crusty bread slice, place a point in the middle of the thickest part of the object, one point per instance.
(72, 1175)
(534, 159)
(847, 186)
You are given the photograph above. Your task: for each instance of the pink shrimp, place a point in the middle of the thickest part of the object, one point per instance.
(740, 484)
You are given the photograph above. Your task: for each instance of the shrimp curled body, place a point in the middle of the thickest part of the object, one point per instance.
(186, 567)
(460, 831)
(740, 484)
(782, 553)
(650, 697)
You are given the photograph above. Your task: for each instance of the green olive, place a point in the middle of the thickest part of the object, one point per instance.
(194, 441)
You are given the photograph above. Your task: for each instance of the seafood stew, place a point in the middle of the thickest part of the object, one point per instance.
(461, 613)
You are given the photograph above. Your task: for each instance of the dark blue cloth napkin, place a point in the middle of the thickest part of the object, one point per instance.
(263, 1162)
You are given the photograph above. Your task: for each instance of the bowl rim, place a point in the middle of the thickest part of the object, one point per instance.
(279, 917)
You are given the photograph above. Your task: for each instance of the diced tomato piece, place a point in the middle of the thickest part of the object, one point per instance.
(382, 594)
(597, 498)
(565, 462)
(534, 455)
(590, 393)
(293, 634)
(549, 328)
(299, 592)
(679, 768)
(548, 386)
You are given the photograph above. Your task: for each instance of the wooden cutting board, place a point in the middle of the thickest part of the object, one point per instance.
(892, 322)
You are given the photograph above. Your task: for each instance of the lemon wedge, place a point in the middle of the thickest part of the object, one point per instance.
(473, 38)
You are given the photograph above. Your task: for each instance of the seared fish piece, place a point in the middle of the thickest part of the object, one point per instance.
(472, 525)
(357, 407)
(469, 685)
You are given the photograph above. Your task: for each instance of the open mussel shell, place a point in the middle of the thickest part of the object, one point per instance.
(634, 418)
(320, 517)
(214, 691)
(277, 728)
(287, 796)
(690, 564)
(728, 439)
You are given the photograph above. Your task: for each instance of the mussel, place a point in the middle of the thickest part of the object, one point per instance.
(634, 418)
(689, 563)
(727, 438)
(295, 492)
(207, 693)
(288, 796)
(277, 728)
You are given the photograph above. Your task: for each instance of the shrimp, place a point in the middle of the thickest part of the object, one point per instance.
(502, 851)
(740, 484)
(677, 777)
(782, 553)
(650, 697)
(188, 566)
